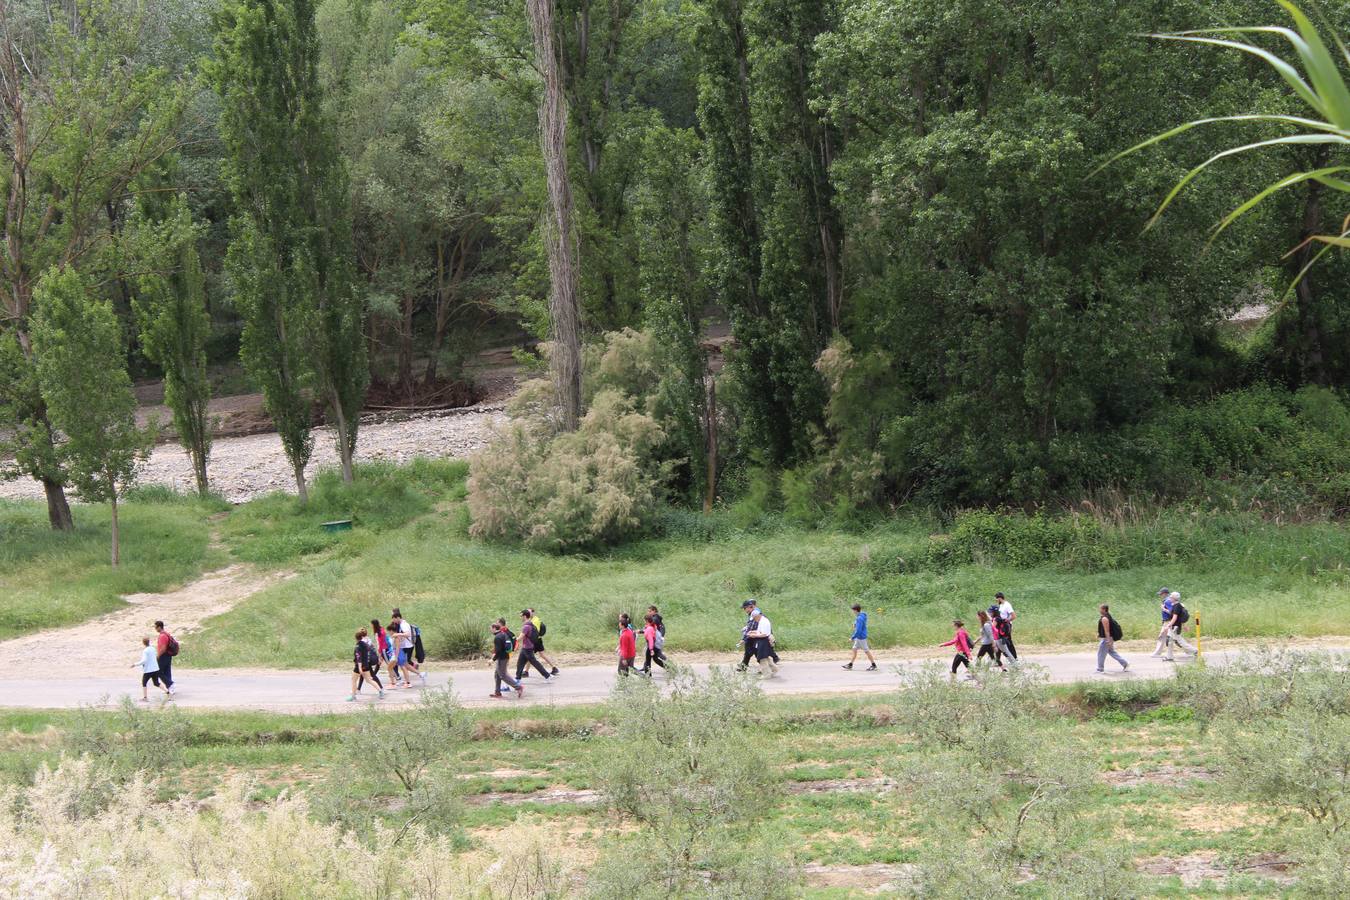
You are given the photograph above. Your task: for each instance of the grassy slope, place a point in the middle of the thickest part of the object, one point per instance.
(805, 739)
(1246, 577)
(49, 579)
(410, 549)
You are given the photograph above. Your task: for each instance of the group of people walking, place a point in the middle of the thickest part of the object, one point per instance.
(156, 662)
(529, 647)
(996, 641)
(397, 645)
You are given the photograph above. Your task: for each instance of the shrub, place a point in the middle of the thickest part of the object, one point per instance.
(558, 492)
(466, 638)
(129, 740)
(684, 766)
(399, 769)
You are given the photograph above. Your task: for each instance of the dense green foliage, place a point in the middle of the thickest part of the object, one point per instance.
(935, 288)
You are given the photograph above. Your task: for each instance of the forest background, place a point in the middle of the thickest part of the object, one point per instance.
(932, 294)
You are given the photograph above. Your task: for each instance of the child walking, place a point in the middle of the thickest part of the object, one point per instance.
(656, 642)
(987, 642)
(365, 665)
(149, 666)
(627, 644)
(962, 644)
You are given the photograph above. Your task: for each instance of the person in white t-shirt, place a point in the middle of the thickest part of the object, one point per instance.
(1007, 614)
(761, 632)
(403, 640)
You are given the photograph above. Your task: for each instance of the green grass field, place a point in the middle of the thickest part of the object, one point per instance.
(50, 579)
(834, 816)
(410, 548)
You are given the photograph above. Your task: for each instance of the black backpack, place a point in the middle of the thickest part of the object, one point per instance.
(1181, 613)
(418, 653)
(543, 629)
(1114, 626)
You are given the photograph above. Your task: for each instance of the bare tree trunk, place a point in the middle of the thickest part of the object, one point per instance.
(58, 507)
(344, 442)
(710, 429)
(564, 307)
(116, 537)
(300, 488)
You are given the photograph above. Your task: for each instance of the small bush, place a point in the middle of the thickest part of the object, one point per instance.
(466, 638)
(130, 739)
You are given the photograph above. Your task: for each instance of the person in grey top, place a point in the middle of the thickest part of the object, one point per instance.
(987, 647)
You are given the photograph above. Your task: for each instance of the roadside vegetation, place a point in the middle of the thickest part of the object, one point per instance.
(409, 546)
(1108, 790)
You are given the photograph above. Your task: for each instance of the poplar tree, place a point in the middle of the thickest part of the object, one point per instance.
(174, 324)
(82, 117)
(289, 255)
(81, 371)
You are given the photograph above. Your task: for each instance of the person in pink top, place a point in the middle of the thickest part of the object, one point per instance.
(655, 646)
(962, 644)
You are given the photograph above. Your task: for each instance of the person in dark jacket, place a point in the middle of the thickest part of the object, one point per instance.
(365, 664)
(501, 655)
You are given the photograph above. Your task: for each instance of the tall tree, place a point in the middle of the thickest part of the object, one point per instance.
(769, 155)
(83, 116)
(560, 233)
(174, 325)
(289, 256)
(81, 368)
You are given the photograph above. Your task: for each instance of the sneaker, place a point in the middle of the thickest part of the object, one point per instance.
(555, 671)
(520, 691)
(1124, 667)
(848, 665)
(1169, 659)
(742, 668)
(1100, 671)
(525, 674)
(495, 695)
(381, 693)
(422, 675)
(872, 667)
(351, 698)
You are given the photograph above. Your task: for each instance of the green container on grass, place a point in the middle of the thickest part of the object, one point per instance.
(339, 525)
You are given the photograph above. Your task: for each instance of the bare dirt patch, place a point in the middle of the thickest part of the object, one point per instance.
(110, 644)
(1205, 866)
(875, 878)
(1166, 774)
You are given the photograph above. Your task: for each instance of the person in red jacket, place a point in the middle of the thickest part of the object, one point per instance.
(627, 644)
(164, 657)
(962, 644)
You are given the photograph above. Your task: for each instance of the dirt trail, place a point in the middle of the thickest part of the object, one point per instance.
(109, 644)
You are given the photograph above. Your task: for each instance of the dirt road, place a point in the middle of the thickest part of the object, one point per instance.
(318, 692)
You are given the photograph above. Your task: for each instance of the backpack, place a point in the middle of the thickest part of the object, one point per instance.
(1180, 612)
(172, 647)
(1116, 633)
(542, 629)
(418, 653)
(510, 642)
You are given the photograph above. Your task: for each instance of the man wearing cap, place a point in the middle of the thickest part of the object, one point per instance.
(1166, 595)
(1007, 614)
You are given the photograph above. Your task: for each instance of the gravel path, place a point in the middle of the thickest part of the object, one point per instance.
(242, 468)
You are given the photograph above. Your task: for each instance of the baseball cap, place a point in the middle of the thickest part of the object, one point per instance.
(1163, 592)
(748, 604)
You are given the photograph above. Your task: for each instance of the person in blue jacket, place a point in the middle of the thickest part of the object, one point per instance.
(860, 639)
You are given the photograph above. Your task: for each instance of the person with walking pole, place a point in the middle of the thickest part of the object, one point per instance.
(1108, 632)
